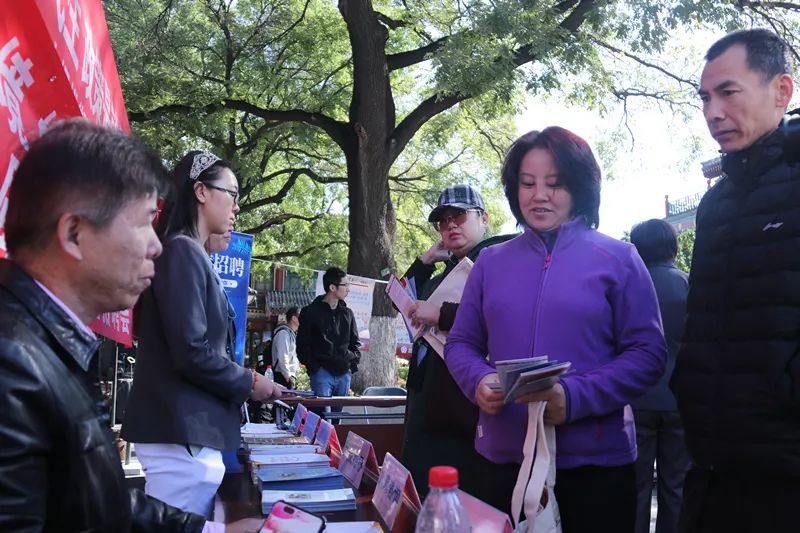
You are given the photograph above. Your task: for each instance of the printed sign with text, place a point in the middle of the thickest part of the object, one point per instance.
(394, 486)
(357, 455)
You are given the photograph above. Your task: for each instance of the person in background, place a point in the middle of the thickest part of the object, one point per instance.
(80, 236)
(284, 350)
(737, 374)
(659, 432)
(440, 421)
(564, 290)
(327, 339)
(187, 389)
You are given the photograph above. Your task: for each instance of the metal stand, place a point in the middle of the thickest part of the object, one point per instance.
(114, 385)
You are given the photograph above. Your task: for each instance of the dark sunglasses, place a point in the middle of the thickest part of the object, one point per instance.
(458, 218)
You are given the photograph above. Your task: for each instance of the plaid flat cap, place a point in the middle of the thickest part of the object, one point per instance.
(458, 196)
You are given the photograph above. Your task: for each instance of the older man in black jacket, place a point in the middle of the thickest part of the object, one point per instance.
(737, 376)
(79, 230)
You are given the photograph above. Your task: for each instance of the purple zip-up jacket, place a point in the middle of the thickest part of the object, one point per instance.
(591, 302)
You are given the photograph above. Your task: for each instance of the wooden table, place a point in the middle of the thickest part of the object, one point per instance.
(346, 401)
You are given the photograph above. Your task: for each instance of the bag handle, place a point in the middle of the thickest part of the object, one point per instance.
(534, 470)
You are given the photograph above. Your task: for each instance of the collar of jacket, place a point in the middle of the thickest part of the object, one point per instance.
(319, 301)
(67, 334)
(566, 234)
(663, 264)
(744, 166)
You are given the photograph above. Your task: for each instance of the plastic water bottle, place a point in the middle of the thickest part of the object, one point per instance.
(268, 373)
(442, 511)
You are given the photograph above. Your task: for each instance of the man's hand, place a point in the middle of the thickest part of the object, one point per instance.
(555, 411)
(490, 401)
(293, 383)
(246, 525)
(425, 313)
(264, 389)
(435, 253)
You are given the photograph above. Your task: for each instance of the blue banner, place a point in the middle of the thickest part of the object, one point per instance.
(233, 267)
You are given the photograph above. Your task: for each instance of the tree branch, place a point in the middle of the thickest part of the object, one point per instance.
(299, 253)
(389, 22)
(337, 130)
(278, 197)
(438, 103)
(412, 57)
(278, 220)
(769, 5)
(644, 62)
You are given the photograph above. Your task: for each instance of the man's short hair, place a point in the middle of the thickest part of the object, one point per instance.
(332, 276)
(655, 240)
(81, 168)
(766, 52)
(292, 312)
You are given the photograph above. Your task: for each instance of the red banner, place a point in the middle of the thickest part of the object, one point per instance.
(56, 62)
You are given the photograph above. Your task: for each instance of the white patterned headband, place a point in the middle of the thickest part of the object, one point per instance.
(200, 163)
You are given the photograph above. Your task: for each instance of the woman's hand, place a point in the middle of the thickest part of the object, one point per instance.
(489, 400)
(555, 411)
(425, 313)
(435, 253)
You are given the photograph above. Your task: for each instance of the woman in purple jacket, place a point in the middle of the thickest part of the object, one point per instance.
(564, 290)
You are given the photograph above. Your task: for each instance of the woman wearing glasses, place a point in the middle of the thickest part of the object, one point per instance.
(440, 421)
(564, 290)
(187, 389)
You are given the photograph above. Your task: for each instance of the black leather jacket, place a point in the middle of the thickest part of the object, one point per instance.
(59, 468)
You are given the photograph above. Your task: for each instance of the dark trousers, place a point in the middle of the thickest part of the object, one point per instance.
(747, 502)
(278, 378)
(659, 438)
(597, 499)
(498, 484)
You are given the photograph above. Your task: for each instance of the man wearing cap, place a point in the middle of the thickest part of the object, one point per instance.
(440, 421)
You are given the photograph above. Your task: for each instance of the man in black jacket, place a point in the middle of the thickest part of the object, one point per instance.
(327, 338)
(737, 376)
(79, 230)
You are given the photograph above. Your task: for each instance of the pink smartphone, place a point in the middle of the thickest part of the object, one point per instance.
(286, 518)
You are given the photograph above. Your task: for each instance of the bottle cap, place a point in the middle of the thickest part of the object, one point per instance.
(443, 477)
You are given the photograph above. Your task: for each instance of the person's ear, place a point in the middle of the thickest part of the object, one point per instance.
(199, 192)
(785, 88)
(70, 231)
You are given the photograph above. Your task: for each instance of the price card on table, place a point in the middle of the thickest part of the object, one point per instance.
(394, 486)
(327, 439)
(297, 422)
(310, 426)
(357, 455)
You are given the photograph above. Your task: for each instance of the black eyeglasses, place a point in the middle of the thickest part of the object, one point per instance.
(234, 194)
(458, 217)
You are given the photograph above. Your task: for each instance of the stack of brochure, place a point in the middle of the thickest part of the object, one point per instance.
(519, 377)
(265, 434)
(313, 501)
(293, 460)
(283, 449)
(306, 479)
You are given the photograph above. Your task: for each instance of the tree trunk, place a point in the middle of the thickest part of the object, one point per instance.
(372, 219)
